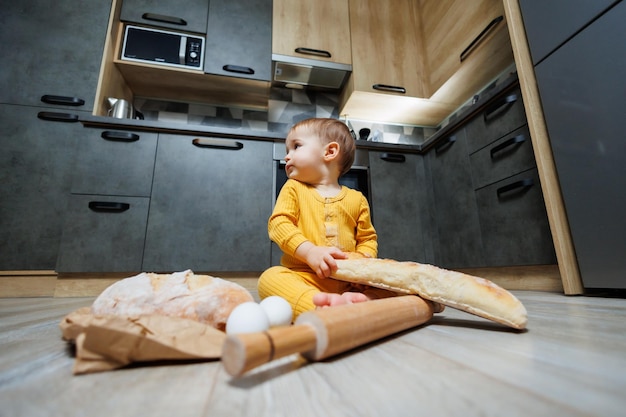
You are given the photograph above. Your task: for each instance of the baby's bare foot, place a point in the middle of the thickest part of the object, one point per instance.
(324, 299)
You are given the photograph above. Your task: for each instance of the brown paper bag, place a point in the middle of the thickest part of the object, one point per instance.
(110, 342)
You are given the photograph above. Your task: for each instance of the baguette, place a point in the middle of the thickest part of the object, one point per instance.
(468, 293)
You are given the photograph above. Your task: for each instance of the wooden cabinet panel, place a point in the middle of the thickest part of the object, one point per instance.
(209, 206)
(322, 25)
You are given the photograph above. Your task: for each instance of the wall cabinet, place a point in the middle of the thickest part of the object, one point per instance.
(239, 39)
(314, 29)
(209, 207)
(399, 202)
(183, 15)
(582, 94)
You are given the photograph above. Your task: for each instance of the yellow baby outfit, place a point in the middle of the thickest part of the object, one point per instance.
(302, 214)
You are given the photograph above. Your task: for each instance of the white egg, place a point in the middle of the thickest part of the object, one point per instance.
(278, 310)
(247, 317)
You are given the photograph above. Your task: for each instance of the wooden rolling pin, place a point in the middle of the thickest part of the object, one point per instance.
(323, 333)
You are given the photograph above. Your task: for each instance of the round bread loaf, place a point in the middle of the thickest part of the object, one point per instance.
(183, 294)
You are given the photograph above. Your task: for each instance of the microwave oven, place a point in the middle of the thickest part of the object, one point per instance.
(162, 47)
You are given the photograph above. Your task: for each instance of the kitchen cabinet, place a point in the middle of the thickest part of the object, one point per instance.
(52, 51)
(551, 23)
(457, 242)
(314, 29)
(210, 202)
(239, 39)
(105, 222)
(51, 79)
(399, 200)
(581, 85)
(35, 172)
(182, 15)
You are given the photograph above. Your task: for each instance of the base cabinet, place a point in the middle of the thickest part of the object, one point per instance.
(209, 207)
(399, 201)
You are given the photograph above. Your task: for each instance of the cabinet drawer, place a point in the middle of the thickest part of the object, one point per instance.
(113, 162)
(103, 234)
(507, 156)
(500, 117)
(514, 224)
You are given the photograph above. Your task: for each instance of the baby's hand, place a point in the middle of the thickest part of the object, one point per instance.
(321, 259)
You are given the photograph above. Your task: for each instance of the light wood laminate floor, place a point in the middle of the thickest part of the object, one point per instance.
(570, 362)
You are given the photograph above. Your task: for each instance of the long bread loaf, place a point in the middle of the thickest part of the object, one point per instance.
(461, 291)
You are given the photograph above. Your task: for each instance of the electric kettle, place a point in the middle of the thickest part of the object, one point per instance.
(122, 109)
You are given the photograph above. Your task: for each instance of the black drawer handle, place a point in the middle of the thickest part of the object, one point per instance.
(315, 52)
(480, 37)
(445, 145)
(238, 69)
(214, 143)
(509, 142)
(393, 157)
(109, 207)
(517, 185)
(499, 106)
(57, 117)
(119, 136)
(164, 19)
(63, 100)
(389, 88)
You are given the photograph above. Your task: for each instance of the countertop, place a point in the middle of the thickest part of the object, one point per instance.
(459, 118)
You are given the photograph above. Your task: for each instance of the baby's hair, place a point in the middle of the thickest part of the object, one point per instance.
(333, 130)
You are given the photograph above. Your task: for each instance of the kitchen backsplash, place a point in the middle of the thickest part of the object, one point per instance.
(286, 107)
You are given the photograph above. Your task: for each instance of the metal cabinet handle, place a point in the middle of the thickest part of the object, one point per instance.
(109, 207)
(119, 136)
(393, 157)
(480, 37)
(62, 100)
(499, 107)
(57, 117)
(509, 142)
(238, 69)
(311, 51)
(444, 145)
(521, 184)
(164, 19)
(389, 88)
(215, 143)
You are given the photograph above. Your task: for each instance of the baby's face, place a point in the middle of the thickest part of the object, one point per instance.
(305, 155)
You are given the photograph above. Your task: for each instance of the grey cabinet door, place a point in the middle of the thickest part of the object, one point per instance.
(514, 224)
(103, 234)
(51, 49)
(36, 165)
(549, 23)
(458, 240)
(210, 205)
(239, 39)
(582, 89)
(112, 162)
(183, 15)
(398, 199)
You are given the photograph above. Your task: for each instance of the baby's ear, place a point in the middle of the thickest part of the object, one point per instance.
(331, 151)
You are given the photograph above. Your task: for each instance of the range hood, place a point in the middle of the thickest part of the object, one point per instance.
(294, 72)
